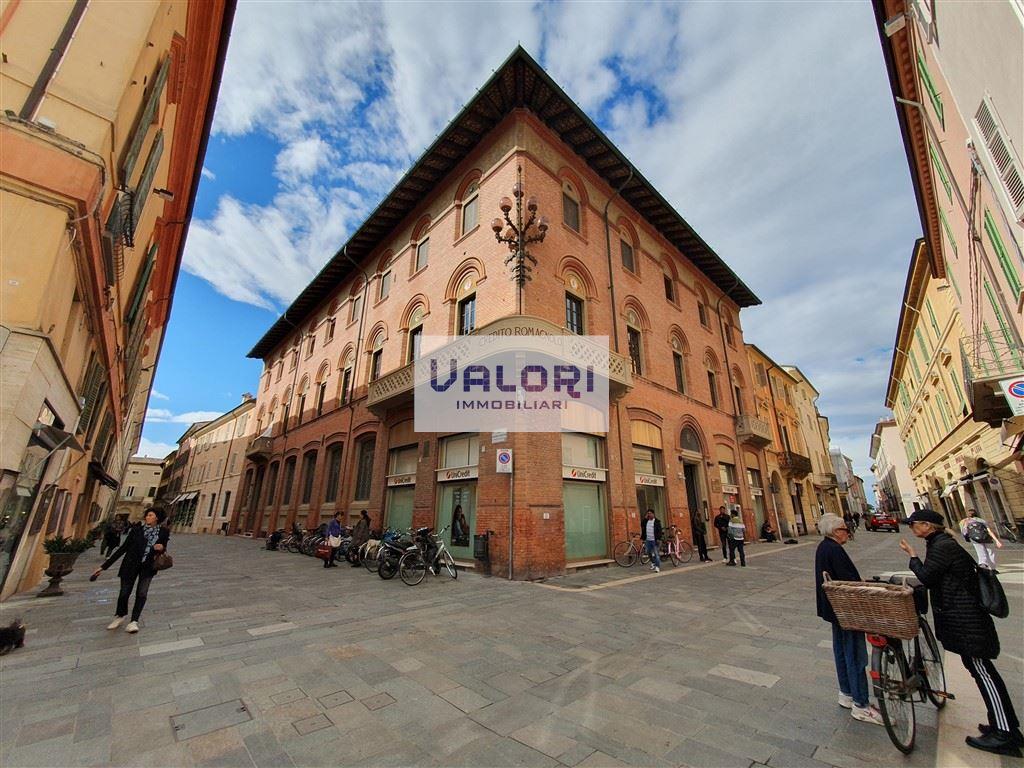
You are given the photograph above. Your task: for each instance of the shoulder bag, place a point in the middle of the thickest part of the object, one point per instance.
(162, 561)
(990, 593)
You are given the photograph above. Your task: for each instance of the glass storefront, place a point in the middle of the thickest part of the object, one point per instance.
(456, 476)
(401, 483)
(583, 497)
(649, 476)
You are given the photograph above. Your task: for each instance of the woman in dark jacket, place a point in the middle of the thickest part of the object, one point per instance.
(963, 626)
(143, 542)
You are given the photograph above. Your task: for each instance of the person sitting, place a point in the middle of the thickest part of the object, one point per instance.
(767, 533)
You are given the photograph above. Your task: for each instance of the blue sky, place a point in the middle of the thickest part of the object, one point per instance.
(769, 126)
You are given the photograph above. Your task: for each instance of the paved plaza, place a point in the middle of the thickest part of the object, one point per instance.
(256, 658)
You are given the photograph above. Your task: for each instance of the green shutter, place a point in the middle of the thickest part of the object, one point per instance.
(141, 286)
(949, 274)
(921, 344)
(143, 122)
(1007, 336)
(935, 324)
(933, 94)
(959, 391)
(941, 170)
(993, 349)
(917, 370)
(949, 230)
(146, 180)
(1001, 253)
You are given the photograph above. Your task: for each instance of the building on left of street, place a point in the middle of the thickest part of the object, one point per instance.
(104, 119)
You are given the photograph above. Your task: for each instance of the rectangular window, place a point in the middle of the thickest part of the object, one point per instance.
(469, 214)
(929, 86)
(333, 472)
(635, 353)
(357, 304)
(959, 392)
(937, 162)
(311, 345)
(996, 239)
(952, 279)
(728, 335)
(364, 471)
(213, 499)
(467, 315)
(415, 339)
(627, 256)
(308, 473)
(289, 478)
(917, 370)
(375, 363)
(713, 387)
(321, 395)
(670, 289)
(738, 394)
(330, 329)
(677, 366)
(227, 504)
(762, 376)
(346, 381)
(570, 213)
(422, 254)
(727, 473)
(702, 313)
(574, 314)
(934, 322)
(152, 492)
(921, 343)
(1007, 336)
(271, 483)
(948, 229)
(385, 285)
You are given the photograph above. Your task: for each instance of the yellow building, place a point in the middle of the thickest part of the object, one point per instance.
(955, 461)
(820, 487)
(106, 111)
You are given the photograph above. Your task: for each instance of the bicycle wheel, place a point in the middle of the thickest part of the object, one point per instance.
(388, 567)
(685, 553)
(645, 556)
(449, 564)
(624, 554)
(372, 562)
(1007, 532)
(411, 568)
(895, 700)
(931, 663)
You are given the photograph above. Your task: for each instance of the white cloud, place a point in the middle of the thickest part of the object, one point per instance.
(164, 416)
(302, 158)
(208, 174)
(153, 449)
(158, 395)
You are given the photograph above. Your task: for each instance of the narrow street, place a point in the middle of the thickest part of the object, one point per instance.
(256, 658)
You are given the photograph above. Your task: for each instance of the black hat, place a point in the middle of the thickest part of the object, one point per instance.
(926, 516)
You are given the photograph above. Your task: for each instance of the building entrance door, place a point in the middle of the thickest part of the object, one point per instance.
(399, 514)
(691, 476)
(586, 530)
(798, 512)
(456, 498)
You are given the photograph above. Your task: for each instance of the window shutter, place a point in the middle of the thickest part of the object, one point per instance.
(146, 180)
(145, 119)
(103, 439)
(141, 286)
(90, 393)
(1002, 156)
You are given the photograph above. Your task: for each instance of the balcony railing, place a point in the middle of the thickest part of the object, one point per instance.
(825, 480)
(987, 359)
(260, 448)
(794, 465)
(753, 430)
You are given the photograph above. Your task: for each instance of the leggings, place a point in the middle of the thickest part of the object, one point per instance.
(127, 582)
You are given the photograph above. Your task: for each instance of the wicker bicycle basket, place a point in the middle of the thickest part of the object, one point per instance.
(873, 607)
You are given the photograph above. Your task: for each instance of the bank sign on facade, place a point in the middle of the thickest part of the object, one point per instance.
(528, 383)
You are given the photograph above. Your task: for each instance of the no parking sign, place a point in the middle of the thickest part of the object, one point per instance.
(1013, 391)
(504, 461)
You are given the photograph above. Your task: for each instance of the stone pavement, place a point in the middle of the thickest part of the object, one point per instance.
(256, 658)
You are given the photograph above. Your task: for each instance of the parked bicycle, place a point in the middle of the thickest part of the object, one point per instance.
(674, 547)
(1008, 531)
(429, 552)
(626, 553)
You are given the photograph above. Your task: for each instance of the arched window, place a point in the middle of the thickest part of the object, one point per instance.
(311, 340)
(711, 366)
(415, 335)
(702, 307)
(266, 379)
(355, 302)
(273, 413)
(570, 206)
(728, 328)
(627, 249)
(575, 300)
(384, 270)
(345, 380)
(635, 340)
(421, 245)
(308, 474)
(470, 207)
(465, 307)
(259, 420)
(669, 280)
(286, 403)
(738, 389)
(301, 405)
(376, 355)
(321, 388)
(689, 441)
(679, 363)
(280, 369)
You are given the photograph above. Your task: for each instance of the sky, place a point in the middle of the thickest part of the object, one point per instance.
(769, 126)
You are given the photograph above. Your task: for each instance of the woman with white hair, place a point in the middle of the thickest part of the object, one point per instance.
(848, 646)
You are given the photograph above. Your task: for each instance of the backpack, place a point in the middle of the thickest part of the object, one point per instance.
(977, 531)
(991, 596)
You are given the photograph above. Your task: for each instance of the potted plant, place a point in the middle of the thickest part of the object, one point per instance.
(63, 552)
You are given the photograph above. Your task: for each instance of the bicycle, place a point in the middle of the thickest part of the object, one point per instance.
(1008, 532)
(899, 681)
(626, 553)
(674, 548)
(413, 565)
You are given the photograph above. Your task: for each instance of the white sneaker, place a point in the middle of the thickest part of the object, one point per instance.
(657, 569)
(652, 568)
(132, 628)
(845, 701)
(116, 622)
(867, 714)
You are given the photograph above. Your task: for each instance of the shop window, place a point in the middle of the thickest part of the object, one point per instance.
(308, 475)
(580, 450)
(364, 469)
(574, 314)
(467, 315)
(460, 451)
(570, 207)
(287, 481)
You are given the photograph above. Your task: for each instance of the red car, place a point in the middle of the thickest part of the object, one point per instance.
(878, 520)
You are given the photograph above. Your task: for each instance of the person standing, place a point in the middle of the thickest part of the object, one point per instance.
(111, 537)
(964, 627)
(652, 537)
(360, 535)
(737, 532)
(721, 523)
(142, 544)
(333, 540)
(978, 532)
(700, 536)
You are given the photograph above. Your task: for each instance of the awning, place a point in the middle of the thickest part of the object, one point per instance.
(97, 470)
(51, 438)
(176, 499)
(189, 496)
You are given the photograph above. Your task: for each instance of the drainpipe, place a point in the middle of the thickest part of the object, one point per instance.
(53, 61)
(615, 324)
(775, 417)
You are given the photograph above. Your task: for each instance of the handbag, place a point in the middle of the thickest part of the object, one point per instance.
(991, 595)
(162, 561)
(334, 541)
(324, 550)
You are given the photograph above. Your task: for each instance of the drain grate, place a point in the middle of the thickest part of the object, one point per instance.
(188, 725)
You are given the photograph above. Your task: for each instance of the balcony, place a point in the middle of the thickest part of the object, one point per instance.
(260, 449)
(395, 389)
(794, 465)
(752, 430)
(988, 359)
(825, 480)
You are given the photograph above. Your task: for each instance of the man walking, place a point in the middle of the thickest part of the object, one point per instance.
(721, 522)
(700, 536)
(652, 535)
(737, 533)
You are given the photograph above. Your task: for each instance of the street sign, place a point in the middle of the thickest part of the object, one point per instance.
(1013, 391)
(503, 460)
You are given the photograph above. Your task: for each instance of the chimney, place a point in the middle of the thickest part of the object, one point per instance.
(246, 397)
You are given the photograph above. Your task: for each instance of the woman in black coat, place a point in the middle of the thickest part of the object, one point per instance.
(142, 544)
(963, 626)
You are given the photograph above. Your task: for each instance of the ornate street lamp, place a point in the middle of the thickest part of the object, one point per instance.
(518, 234)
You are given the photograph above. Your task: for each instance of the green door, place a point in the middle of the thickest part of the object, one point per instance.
(457, 510)
(399, 514)
(586, 530)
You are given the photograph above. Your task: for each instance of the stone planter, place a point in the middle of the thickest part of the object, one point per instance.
(61, 564)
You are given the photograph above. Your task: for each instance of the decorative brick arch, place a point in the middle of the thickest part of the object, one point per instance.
(419, 300)
(385, 261)
(379, 330)
(688, 422)
(470, 265)
(421, 228)
(675, 332)
(570, 265)
(472, 176)
(628, 232)
(711, 360)
(634, 304)
(324, 372)
(346, 353)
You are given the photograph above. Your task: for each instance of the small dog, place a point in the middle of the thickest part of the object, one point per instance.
(12, 636)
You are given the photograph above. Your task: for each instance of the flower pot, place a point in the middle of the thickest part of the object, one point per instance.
(61, 564)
